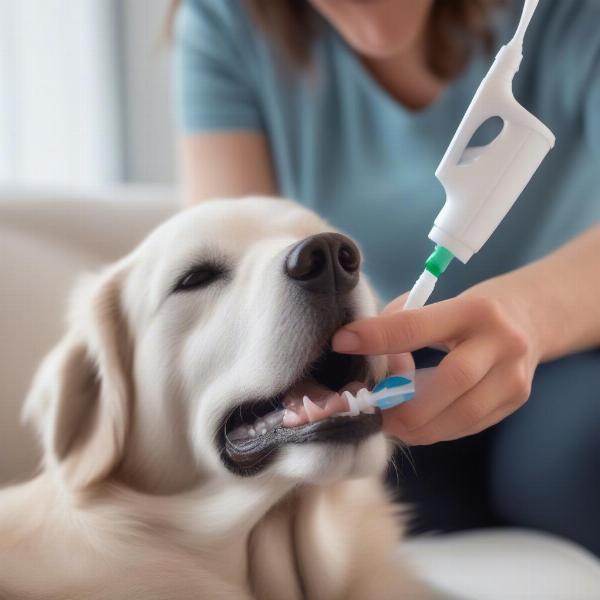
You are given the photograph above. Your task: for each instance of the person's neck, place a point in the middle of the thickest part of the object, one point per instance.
(407, 77)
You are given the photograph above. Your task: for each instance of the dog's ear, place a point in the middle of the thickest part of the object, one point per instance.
(81, 395)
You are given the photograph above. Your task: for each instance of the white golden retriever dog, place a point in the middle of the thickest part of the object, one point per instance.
(171, 469)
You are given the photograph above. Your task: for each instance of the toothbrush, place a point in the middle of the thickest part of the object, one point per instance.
(481, 183)
(389, 392)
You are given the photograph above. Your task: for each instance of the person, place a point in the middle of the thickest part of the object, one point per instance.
(347, 106)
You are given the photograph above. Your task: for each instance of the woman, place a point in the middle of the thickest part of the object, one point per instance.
(348, 106)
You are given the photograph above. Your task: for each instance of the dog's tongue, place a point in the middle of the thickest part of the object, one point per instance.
(309, 401)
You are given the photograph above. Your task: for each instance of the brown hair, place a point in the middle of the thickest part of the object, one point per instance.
(456, 29)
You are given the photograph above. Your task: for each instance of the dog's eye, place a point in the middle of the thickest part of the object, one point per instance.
(198, 277)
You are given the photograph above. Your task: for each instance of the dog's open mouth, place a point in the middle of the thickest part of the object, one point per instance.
(311, 410)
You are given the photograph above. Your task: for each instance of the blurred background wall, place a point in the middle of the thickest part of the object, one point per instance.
(85, 93)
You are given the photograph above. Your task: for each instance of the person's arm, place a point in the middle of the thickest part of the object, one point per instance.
(561, 294)
(225, 164)
(497, 333)
(223, 148)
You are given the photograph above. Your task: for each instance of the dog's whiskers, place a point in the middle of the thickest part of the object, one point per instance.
(396, 472)
(405, 451)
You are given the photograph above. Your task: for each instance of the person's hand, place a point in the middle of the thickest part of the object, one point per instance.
(487, 374)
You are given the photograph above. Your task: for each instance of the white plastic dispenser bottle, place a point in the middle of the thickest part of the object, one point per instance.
(482, 183)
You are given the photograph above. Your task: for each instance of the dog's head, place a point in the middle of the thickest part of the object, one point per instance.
(181, 358)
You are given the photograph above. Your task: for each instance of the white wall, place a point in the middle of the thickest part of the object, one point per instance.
(85, 93)
(59, 109)
(147, 107)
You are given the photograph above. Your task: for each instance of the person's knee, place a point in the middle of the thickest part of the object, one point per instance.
(546, 457)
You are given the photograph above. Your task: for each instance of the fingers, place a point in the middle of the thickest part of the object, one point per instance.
(405, 331)
(517, 389)
(401, 363)
(498, 395)
(489, 421)
(460, 371)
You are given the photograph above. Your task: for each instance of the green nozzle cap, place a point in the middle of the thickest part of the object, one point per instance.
(438, 262)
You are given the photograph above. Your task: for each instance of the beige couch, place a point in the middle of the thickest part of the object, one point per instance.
(47, 240)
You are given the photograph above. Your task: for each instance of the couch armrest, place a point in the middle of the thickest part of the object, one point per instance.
(47, 241)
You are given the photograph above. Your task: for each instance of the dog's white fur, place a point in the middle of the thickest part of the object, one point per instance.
(133, 499)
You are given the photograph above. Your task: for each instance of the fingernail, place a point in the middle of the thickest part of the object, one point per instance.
(345, 341)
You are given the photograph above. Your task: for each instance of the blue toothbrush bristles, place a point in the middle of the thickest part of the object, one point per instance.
(392, 391)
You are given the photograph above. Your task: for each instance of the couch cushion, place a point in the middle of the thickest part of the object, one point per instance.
(506, 564)
(46, 243)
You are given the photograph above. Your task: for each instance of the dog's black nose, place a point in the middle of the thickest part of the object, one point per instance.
(324, 263)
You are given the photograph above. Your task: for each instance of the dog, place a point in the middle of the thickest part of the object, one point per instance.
(180, 459)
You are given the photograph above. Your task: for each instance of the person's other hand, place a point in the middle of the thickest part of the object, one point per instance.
(487, 374)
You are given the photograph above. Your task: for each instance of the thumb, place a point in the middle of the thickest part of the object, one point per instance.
(401, 363)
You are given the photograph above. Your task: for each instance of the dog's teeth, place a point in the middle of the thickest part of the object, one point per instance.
(363, 396)
(292, 418)
(313, 411)
(240, 433)
(260, 427)
(353, 407)
(274, 419)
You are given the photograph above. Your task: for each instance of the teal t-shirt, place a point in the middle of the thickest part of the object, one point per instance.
(344, 147)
